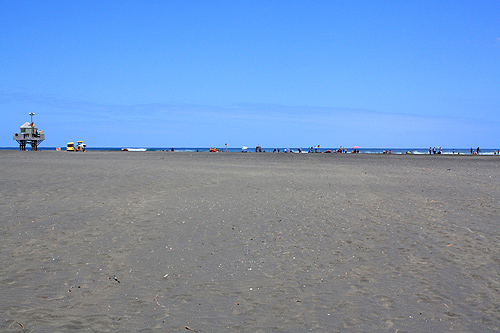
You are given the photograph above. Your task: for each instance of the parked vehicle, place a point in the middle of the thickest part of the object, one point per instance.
(80, 146)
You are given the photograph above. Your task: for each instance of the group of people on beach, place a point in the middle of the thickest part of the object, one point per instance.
(437, 150)
(340, 150)
(317, 149)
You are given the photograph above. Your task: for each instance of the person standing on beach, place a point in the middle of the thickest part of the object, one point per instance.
(471, 150)
(430, 150)
(477, 150)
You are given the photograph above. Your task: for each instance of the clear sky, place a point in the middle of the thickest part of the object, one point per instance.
(276, 73)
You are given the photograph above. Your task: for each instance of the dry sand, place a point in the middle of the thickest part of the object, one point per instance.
(157, 241)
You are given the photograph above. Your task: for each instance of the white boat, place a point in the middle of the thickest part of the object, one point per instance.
(133, 149)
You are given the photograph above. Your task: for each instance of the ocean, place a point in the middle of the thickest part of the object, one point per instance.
(415, 151)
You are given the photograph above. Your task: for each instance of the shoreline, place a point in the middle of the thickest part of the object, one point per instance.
(365, 151)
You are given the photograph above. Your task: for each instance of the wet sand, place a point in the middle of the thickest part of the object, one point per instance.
(161, 241)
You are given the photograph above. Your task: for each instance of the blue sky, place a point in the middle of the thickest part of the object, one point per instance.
(275, 73)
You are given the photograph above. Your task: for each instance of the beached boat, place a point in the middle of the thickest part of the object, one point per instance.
(133, 149)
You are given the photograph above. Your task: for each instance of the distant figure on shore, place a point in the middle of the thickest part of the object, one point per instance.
(477, 150)
(471, 150)
(430, 150)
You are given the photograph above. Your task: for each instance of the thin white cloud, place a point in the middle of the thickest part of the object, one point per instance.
(280, 125)
(243, 111)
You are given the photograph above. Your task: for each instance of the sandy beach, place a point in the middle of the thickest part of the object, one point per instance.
(224, 242)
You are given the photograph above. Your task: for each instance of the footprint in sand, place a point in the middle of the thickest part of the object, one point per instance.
(384, 301)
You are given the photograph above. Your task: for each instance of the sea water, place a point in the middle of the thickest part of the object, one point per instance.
(415, 151)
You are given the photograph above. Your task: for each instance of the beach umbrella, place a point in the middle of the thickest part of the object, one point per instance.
(244, 148)
(355, 147)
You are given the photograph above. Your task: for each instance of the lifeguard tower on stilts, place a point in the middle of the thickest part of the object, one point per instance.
(29, 135)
